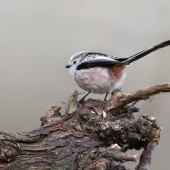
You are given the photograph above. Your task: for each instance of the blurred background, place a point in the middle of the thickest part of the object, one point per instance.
(38, 37)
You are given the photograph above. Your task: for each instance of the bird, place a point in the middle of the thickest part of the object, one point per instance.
(101, 73)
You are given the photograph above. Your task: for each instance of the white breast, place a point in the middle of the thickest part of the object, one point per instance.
(96, 80)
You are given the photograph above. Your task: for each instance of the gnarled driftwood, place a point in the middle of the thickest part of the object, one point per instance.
(93, 135)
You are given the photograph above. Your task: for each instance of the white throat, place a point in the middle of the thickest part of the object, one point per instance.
(72, 70)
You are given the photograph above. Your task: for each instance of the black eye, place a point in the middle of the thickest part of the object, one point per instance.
(74, 62)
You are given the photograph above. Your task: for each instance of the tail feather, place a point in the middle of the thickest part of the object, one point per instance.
(145, 52)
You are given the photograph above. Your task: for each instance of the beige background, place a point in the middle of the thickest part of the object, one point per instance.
(37, 38)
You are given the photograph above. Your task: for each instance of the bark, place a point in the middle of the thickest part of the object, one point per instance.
(94, 135)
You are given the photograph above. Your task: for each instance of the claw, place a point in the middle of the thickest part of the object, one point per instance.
(82, 100)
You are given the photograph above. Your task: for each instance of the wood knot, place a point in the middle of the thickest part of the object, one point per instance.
(7, 153)
(145, 126)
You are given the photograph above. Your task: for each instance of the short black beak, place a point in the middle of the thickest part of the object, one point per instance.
(68, 66)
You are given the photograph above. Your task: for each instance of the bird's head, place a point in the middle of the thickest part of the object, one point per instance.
(75, 60)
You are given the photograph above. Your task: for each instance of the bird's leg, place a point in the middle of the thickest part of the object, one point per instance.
(82, 99)
(105, 97)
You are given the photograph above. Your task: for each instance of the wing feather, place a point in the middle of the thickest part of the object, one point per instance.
(98, 61)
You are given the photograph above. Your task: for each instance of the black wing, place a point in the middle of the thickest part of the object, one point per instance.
(98, 61)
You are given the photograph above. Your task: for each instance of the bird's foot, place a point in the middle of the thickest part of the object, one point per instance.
(82, 100)
(117, 90)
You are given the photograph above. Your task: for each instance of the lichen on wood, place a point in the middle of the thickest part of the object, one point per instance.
(94, 135)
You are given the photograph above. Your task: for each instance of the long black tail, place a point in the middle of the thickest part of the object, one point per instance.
(145, 52)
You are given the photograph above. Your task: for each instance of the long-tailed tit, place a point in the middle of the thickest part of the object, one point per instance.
(100, 73)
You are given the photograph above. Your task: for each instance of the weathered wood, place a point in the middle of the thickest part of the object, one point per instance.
(92, 135)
